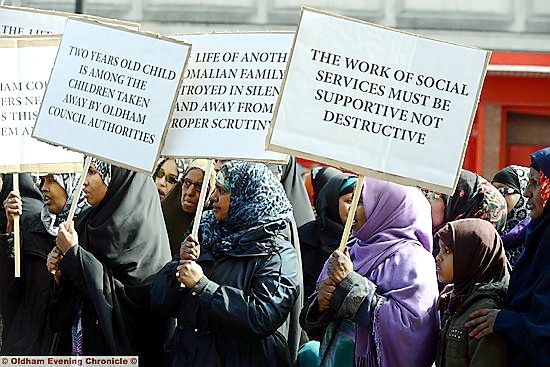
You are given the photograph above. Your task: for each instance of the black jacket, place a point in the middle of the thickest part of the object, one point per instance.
(25, 307)
(231, 316)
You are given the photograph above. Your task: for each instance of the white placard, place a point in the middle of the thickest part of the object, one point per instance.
(111, 93)
(16, 21)
(226, 104)
(378, 101)
(26, 67)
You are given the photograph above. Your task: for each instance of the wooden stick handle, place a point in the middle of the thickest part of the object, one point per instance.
(202, 198)
(78, 188)
(17, 232)
(352, 210)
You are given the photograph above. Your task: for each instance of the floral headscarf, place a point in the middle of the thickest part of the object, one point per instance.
(257, 198)
(516, 177)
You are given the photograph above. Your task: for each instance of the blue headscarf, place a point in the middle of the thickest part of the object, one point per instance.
(257, 198)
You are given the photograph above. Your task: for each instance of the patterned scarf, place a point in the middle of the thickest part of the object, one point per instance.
(520, 211)
(104, 170)
(257, 198)
(544, 188)
(68, 182)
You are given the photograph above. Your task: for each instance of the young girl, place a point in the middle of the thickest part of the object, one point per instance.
(471, 257)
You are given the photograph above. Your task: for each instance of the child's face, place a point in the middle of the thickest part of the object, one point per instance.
(444, 264)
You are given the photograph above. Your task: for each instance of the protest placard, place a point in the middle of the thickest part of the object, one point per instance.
(17, 21)
(226, 103)
(26, 66)
(377, 101)
(111, 93)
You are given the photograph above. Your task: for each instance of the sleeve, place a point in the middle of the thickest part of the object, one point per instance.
(11, 288)
(263, 309)
(488, 351)
(529, 331)
(355, 299)
(314, 322)
(166, 292)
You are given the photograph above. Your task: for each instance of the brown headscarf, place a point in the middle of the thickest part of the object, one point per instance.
(478, 253)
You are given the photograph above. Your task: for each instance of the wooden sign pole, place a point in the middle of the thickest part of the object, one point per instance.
(17, 232)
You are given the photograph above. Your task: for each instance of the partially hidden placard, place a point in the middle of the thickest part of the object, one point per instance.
(377, 101)
(111, 95)
(228, 97)
(26, 66)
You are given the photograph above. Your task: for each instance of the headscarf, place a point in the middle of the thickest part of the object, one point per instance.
(517, 178)
(475, 197)
(257, 198)
(180, 165)
(68, 182)
(295, 190)
(541, 162)
(104, 170)
(126, 230)
(398, 219)
(177, 221)
(319, 178)
(327, 205)
(478, 253)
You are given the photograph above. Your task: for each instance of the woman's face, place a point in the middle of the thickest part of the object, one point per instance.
(221, 200)
(360, 216)
(511, 198)
(94, 188)
(344, 203)
(55, 196)
(438, 211)
(191, 190)
(444, 264)
(532, 192)
(166, 178)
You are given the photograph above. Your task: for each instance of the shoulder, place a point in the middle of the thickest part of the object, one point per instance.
(412, 256)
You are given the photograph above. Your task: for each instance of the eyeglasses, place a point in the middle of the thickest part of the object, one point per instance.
(505, 191)
(196, 185)
(169, 178)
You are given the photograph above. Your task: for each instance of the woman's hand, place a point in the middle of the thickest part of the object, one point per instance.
(484, 321)
(66, 237)
(189, 273)
(190, 248)
(339, 266)
(54, 258)
(326, 289)
(13, 205)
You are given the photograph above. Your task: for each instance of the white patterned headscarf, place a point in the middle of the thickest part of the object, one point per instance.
(68, 182)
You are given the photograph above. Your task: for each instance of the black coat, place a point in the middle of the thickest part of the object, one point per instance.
(26, 305)
(231, 317)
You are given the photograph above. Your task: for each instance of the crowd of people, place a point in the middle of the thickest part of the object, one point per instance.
(426, 278)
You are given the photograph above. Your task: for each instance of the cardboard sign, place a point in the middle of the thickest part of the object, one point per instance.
(111, 95)
(227, 101)
(16, 21)
(26, 66)
(377, 101)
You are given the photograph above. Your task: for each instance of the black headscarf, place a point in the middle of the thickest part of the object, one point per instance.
(319, 178)
(126, 231)
(30, 193)
(475, 197)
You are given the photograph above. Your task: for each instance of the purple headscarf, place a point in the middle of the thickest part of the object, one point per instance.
(393, 250)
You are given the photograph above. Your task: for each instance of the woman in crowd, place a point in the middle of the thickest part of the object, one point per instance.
(180, 205)
(471, 257)
(512, 182)
(525, 319)
(26, 300)
(377, 305)
(320, 237)
(474, 197)
(240, 282)
(167, 175)
(105, 271)
(316, 179)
